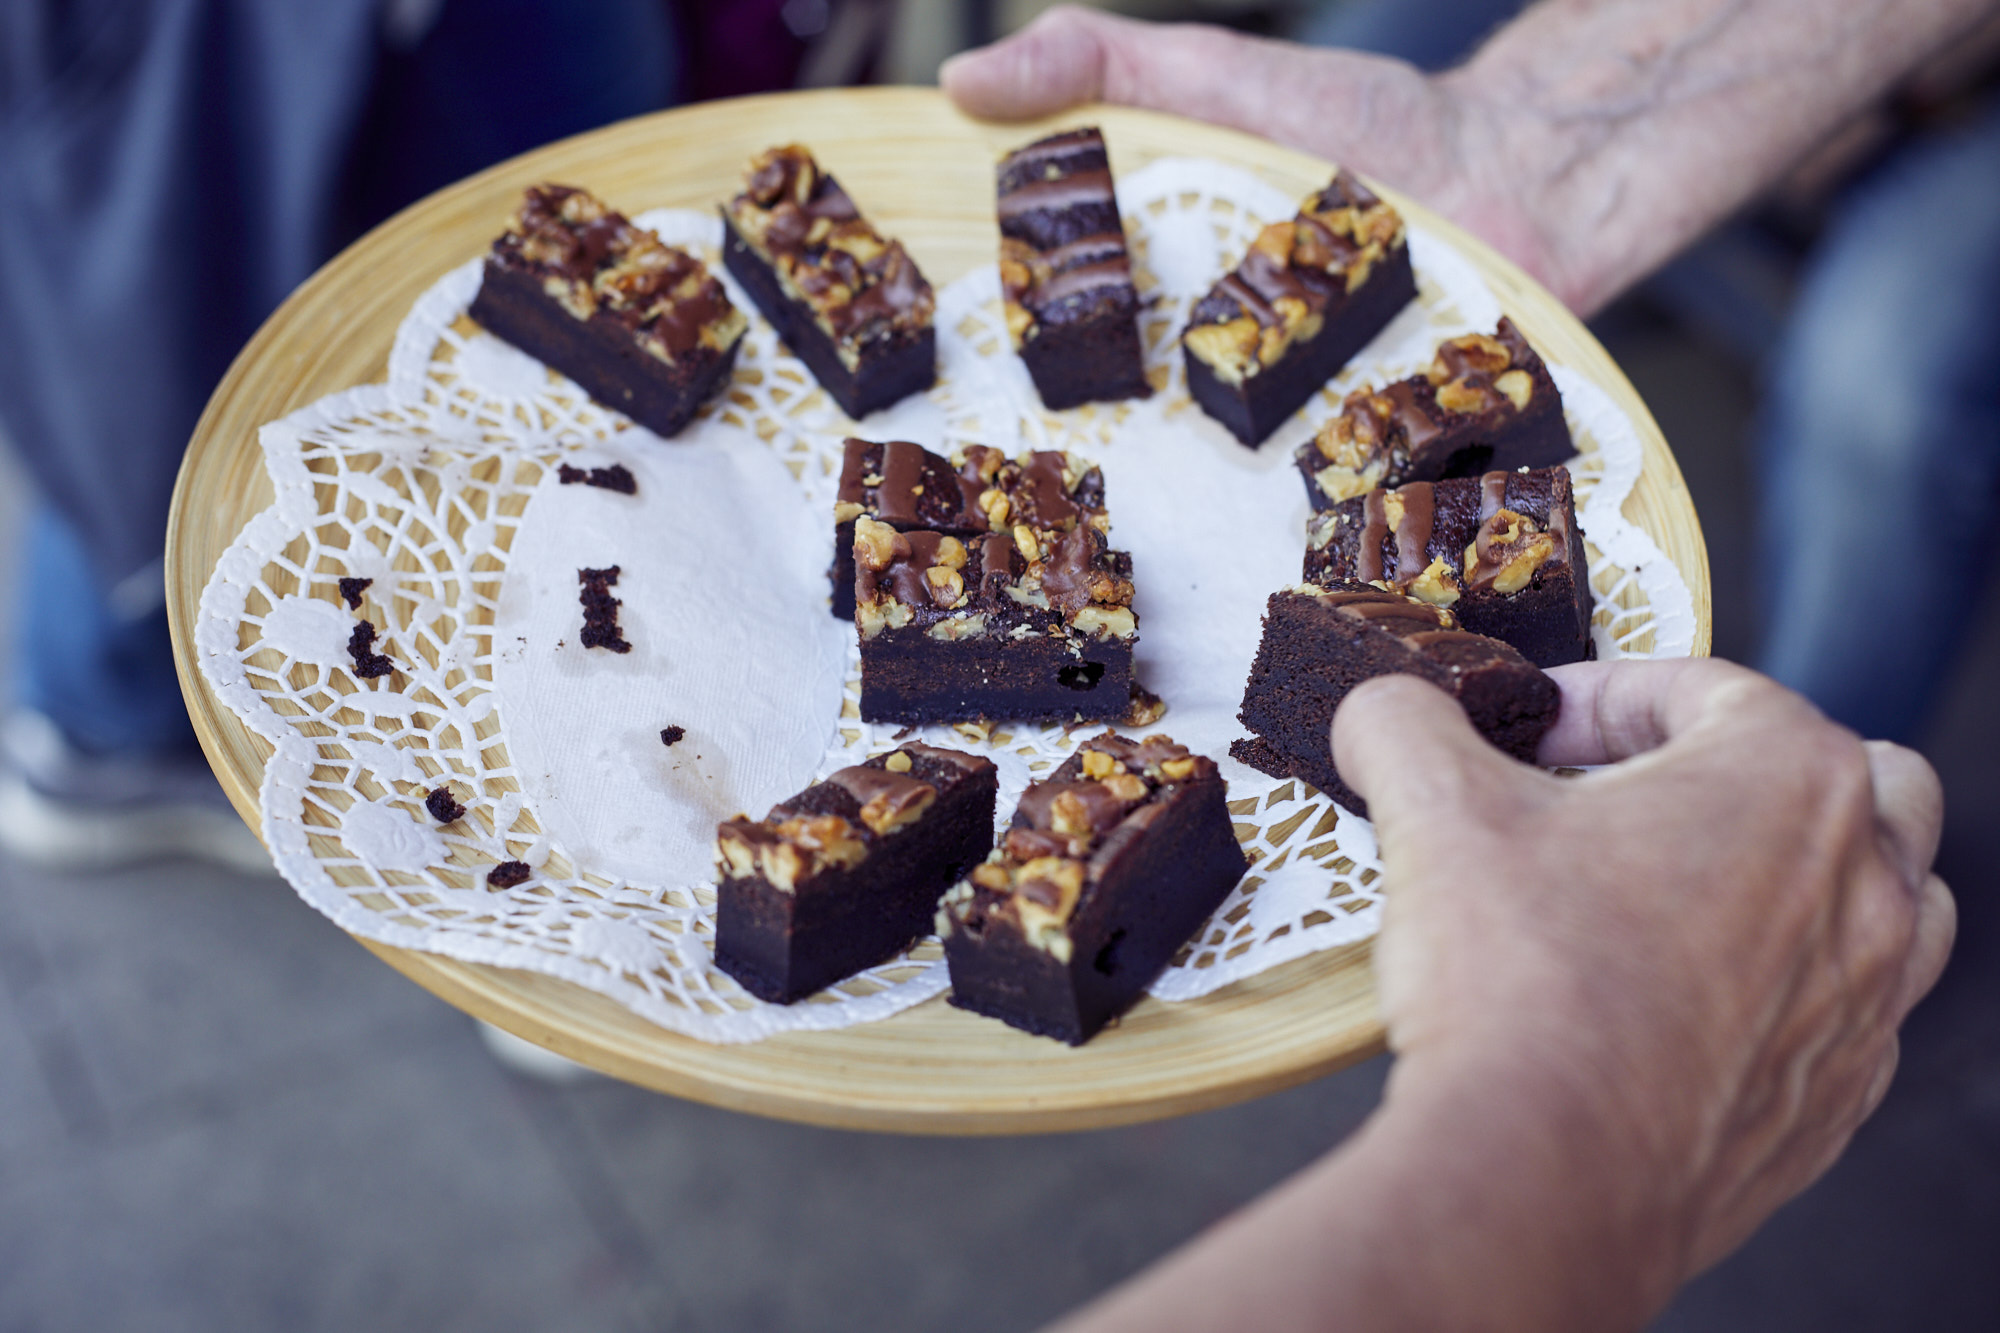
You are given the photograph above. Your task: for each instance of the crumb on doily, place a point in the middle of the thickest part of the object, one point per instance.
(368, 664)
(670, 735)
(444, 807)
(600, 609)
(508, 874)
(617, 478)
(351, 590)
(1146, 707)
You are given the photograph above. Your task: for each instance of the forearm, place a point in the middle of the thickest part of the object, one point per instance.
(1479, 1199)
(1629, 127)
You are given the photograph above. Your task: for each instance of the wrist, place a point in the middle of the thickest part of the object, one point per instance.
(1574, 1214)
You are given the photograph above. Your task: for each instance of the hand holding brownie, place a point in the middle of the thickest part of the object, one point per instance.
(1589, 140)
(1635, 1011)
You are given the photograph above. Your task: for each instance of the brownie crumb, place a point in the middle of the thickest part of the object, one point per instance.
(368, 663)
(600, 610)
(508, 873)
(669, 735)
(613, 478)
(351, 590)
(1146, 708)
(443, 806)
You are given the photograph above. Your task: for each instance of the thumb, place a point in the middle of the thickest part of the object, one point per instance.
(1410, 750)
(1054, 63)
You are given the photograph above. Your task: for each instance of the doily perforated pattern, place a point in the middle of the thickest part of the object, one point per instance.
(427, 484)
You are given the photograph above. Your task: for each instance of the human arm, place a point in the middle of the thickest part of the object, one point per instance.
(1589, 139)
(1634, 1011)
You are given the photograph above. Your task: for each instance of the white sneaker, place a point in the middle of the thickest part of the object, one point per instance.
(66, 810)
(523, 1057)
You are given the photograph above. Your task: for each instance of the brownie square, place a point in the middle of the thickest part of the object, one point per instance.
(1319, 643)
(978, 490)
(1503, 551)
(1486, 403)
(1111, 865)
(1065, 277)
(846, 874)
(641, 326)
(1309, 295)
(1027, 626)
(850, 303)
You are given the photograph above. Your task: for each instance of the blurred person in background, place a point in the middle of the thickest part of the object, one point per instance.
(169, 171)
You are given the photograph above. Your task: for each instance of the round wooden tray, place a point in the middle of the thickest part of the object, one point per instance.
(924, 174)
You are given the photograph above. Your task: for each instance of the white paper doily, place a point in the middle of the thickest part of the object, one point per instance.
(440, 487)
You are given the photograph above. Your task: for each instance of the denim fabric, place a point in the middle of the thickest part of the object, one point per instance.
(169, 171)
(1430, 34)
(1880, 443)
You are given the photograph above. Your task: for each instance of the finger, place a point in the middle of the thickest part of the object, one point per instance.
(1884, 1076)
(1930, 943)
(1909, 805)
(1410, 751)
(1068, 57)
(1614, 710)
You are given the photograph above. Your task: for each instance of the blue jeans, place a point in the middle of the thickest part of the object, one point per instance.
(169, 171)
(1880, 442)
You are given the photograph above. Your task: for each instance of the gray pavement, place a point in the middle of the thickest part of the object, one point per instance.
(217, 1112)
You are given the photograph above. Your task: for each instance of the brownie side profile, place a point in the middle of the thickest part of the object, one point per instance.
(1110, 866)
(1309, 295)
(1065, 276)
(847, 873)
(641, 326)
(1319, 643)
(978, 490)
(849, 303)
(1502, 551)
(1024, 626)
(1485, 403)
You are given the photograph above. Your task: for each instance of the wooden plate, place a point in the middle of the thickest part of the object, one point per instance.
(924, 174)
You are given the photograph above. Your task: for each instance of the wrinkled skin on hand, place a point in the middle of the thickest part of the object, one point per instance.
(1706, 948)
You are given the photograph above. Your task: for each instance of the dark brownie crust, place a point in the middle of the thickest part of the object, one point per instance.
(642, 327)
(977, 490)
(1020, 627)
(849, 303)
(1486, 403)
(847, 873)
(1319, 643)
(1503, 551)
(1309, 295)
(1110, 866)
(1065, 275)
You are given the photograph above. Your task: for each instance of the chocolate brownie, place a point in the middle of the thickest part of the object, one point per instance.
(1310, 294)
(1065, 277)
(978, 490)
(600, 609)
(1029, 627)
(846, 874)
(1503, 551)
(1319, 643)
(617, 478)
(368, 664)
(850, 303)
(1110, 866)
(641, 326)
(1485, 403)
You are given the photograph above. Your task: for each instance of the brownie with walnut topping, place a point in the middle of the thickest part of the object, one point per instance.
(1111, 865)
(978, 490)
(641, 326)
(1484, 403)
(1321, 642)
(1503, 551)
(849, 302)
(1309, 294)
(1065, 277)
(847, 873)
(1023, 626)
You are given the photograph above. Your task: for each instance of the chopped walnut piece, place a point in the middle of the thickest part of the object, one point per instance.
(1507, 552)
(877, 545)
(898, 762)
(1519, 386)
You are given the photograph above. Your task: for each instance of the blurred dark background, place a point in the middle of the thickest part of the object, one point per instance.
(218, 1112)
